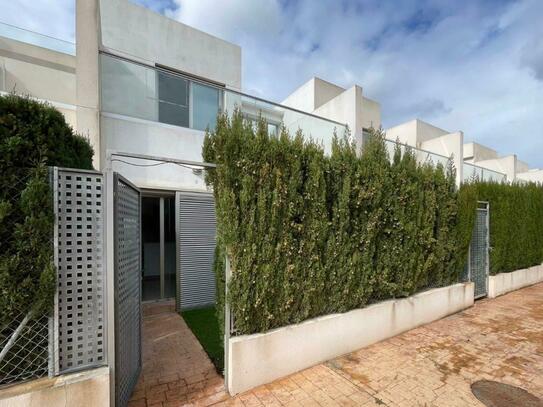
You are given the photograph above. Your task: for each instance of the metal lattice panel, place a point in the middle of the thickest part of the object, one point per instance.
(79, 314)
(196, 230)
(478, 260)
(127, 289)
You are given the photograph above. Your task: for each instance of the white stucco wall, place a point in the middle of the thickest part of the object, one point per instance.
(506, 165)
(405, 133)
(477, 152)
(137, 32)
(535, 175)
(506, 282)
(36, 71)
(138, 136)
(312, 94)
(448, 145)
(261, 358)
(45, 75)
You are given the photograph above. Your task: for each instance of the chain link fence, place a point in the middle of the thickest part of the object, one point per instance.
(26, 245)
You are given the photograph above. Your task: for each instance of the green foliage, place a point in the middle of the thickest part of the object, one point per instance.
(516, 224)
(309, 234)
(33, 135)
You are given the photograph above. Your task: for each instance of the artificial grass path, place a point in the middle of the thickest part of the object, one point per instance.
(204, 325)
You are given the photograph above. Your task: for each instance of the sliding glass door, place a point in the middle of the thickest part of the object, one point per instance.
(158, 247)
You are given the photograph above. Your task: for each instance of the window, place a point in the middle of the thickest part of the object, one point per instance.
(205, 106)
(173, 100)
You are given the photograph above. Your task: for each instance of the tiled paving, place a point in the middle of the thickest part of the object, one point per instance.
(176, 370)
(434, 365)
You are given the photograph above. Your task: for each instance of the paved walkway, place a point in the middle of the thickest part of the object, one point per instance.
(434, 365)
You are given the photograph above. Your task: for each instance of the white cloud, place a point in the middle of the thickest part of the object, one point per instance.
(474, 66)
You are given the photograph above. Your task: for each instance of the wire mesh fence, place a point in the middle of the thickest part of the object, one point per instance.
(27, 277)
(24, 344)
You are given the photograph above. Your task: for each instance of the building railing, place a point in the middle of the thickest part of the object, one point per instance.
(472, 172)
(422, 156)
(152, 93)
(34, 38)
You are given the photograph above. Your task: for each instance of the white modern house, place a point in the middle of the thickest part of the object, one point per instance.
(144, 88)
(470, 159)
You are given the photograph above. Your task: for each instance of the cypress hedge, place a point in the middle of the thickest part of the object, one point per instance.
(516, 224)
(309, 234)
(33, 135)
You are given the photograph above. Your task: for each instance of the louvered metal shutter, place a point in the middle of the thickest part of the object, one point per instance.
(196, 229)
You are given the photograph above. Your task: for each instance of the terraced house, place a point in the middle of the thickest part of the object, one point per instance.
(144, 88)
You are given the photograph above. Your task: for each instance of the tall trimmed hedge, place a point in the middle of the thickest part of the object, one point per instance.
(33, 135)
(516, 224)
(309, 234)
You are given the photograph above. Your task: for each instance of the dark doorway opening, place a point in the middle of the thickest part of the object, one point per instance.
(158, 248)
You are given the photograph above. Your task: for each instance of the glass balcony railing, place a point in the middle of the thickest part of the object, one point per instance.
(422, 156)
(34, 38)
(154, 94)
(472, 172)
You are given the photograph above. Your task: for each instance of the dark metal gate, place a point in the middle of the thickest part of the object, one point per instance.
(478, 264)
(127, 232)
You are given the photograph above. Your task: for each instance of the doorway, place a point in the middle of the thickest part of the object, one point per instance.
(158, 247)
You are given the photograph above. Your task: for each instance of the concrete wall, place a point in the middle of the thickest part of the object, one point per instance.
(139, 33)
(505, 282)
(312, 94)
(261, 358)
(535, 175)
(85, 389)
(36, 71)
(415, 133)
(45, 75)
(449, 145)
(476, 152)
(506, 165)
(150, 138)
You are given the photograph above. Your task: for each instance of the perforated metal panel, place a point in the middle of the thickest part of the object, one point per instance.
(478, 257)
(127, 288)
(196, 230)
(79, 259)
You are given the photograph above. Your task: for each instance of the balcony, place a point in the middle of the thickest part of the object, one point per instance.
(34, 38)
(472, 172)
(155, 94)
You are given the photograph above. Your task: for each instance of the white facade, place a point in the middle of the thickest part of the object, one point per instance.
(333, 102)
(426, 137)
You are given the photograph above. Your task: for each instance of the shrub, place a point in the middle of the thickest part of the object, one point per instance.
(516, 224)
(309, 234)
(33, 135)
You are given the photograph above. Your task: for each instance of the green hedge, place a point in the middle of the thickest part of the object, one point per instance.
(516, 224)
(33, 135)
(309, 234)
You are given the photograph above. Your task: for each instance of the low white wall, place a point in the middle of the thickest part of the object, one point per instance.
(84, 389)
(505, 282)
(261, 358)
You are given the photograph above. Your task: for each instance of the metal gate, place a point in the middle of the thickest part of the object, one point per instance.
(478, 264)
(196, 228)
(78, 334)
(127, 232)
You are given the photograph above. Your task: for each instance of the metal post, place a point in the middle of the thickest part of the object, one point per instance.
(162, 273)
(54, 366)
(110, 277)
(227, 327)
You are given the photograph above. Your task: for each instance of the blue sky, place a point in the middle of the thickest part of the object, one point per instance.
(470, 65)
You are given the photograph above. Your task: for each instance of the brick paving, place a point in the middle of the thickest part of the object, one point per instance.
(433, 365)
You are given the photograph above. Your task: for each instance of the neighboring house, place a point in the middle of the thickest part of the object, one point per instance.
(470, 159)
(144, 88)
